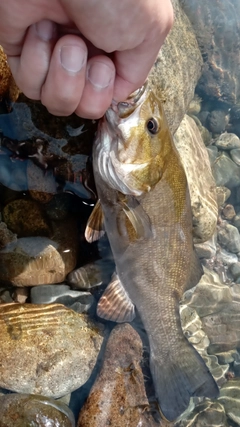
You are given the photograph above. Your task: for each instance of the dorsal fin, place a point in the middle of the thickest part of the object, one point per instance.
(115, 304)
(95, 228)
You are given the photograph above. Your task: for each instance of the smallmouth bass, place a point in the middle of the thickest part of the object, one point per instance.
(145, 207)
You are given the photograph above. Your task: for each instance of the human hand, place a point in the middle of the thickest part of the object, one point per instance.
(76, 56)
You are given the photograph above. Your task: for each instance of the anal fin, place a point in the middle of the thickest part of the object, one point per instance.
(115, 304)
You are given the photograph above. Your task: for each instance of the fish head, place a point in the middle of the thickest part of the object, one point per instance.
(132, 143)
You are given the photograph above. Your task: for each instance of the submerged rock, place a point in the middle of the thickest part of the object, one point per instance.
(229, 397)
(24, 410)
(206, 414)
(118, 396)
(48, 349)
(202, 187)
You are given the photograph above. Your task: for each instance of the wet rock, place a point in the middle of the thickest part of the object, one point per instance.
(62, 294)
(228, 212)
(229, 398)
(6, 235)
(175, 66)
(25, 218)
(118, 396)
(208, 248)
(41, 184)
(228, 141)
(226, 258)
(48, 349)
(86, 277)
(235, 155)
(202, 188)
(223, 193)
(226, 172)
(227, 356)
(5, 295)
(195, 105)
(216, 25)
(236, 221)
(206, 414)
(24, 410)
(8, 87)
(59, 206)
(216, 121)
(235, 270)
(229, 238)
(212, 153)
(32, 261)
(20, 295)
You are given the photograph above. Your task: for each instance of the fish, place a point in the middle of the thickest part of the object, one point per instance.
(144, 207)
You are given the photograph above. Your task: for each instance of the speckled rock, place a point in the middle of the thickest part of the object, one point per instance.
(202, 188)
(118, 396)
(32, 261)
(207, 249)
(178, 62)
(25, 218)
(8, 86)
(227, 141)
(86, 277)
(24, 410)
(206, 414)
(48, 349)
(223, 193)
(228, 212)
(216, 121)
(41, 184)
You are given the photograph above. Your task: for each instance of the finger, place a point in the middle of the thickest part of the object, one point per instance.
(98, 90)
(31, 67)
(65, 80)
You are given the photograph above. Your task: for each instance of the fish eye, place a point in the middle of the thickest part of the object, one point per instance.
(152, 126)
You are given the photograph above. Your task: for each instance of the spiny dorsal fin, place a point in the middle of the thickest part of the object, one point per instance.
(115, 304)
(95, 229)
(137, 217)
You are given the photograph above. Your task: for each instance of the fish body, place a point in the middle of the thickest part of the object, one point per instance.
(149, 227)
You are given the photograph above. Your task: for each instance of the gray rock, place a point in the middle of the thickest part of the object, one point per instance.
(208, 248)
(229, 398)
(216, 121)
(48, 349)
(212, 153)
(206, 414)
(235, 270)
(235, 155)
(227, 141)
(223, 193)
(24, 410)
(236, 221)
(229, 238)
(62, 294)
(226, 258)
(86, 277)
(226, 172)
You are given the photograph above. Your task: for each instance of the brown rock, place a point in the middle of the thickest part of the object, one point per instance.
(118, 396)
(25, 218)
(8, 86)
(41, 184)
(48, 349)
(6, 235)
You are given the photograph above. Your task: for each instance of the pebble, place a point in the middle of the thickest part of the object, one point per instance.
(6, 235)
(226, 258)
(236, 221)
(20, 295)
(228, 212)
(62, 294)
(25, 410)
(235, 155)
(118, 397)
(229, 238)
(41, 184)
(227, 141)
(207, 249)
(223, 193)
(48, 349)
(226, 172)
(86, 277)
(212, 153)
(202, 187)
(235, 270)
(216, 121)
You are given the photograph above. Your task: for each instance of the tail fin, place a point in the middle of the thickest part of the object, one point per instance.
(184, 375)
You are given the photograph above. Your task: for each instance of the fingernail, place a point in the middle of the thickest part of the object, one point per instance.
(73, 58)
(100, 75)
(45, 29)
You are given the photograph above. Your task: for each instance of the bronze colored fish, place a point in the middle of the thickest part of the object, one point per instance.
(145, 201)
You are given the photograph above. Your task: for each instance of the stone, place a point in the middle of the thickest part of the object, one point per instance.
(6, 235)
(86, 277)
(118, 396)
(195, 105)
(24, 410)
(48, 349)
(226, 172)
(228, 212)
(20, 295)
(229, 398)
(8, 87)
(206, 414)
(226, 258)
(25, 218)
(229, 237)
(216, 121)
(32, 261)
(41, 184)
(202, 188)
(207, 249)
(212, 153)
(223, 193)
(236, 221)
(175, 66)
(235, 155)
(235, 270)
(227, 141)
(62, 294)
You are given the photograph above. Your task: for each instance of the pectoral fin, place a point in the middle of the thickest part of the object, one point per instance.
(95, 228)
(137, 217)
(115, 304)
